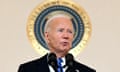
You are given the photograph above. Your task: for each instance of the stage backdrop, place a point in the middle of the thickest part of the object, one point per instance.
(101, 53)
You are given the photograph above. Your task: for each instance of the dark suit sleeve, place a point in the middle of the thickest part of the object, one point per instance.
(79, 67)
(21, 68)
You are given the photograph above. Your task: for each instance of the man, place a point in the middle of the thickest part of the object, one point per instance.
(59, 34)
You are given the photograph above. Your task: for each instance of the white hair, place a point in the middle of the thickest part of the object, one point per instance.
(53, 17)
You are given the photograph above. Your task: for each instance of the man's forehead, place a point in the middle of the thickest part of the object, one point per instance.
(54, 20)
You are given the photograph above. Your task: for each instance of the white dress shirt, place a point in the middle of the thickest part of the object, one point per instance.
(63, 63)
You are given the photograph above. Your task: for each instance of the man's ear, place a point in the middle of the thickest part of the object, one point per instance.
(46, 37)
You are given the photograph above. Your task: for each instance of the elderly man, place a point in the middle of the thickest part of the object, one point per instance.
(59, 34)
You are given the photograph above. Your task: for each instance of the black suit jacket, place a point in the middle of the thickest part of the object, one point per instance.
(41, 65)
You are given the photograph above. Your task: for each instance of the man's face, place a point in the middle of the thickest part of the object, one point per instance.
(60, 35)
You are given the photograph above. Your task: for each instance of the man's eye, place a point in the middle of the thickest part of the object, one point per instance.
(60, 30)
(70, 31)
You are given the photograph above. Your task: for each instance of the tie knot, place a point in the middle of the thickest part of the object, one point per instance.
(59, 61)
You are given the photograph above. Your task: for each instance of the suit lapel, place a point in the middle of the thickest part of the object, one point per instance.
(43, 65)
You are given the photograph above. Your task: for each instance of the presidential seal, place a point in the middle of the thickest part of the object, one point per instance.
(45, 10)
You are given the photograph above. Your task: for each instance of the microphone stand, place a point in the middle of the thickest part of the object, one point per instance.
(52, 60)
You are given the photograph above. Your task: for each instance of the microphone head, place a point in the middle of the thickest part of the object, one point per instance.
(69, 60)
(52, 59)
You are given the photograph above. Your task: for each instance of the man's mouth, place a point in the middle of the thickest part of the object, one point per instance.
(64, 43)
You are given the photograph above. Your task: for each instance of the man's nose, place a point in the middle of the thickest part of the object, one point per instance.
(66, 35)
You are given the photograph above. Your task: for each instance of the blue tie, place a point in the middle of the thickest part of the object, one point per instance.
(59, 61)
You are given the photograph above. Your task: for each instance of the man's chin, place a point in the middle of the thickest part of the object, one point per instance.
(65, 50)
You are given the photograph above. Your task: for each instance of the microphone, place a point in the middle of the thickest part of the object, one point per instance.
(69, 60)
(52, 60)
(70, 63)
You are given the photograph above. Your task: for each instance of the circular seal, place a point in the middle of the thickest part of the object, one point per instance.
(38, 18)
